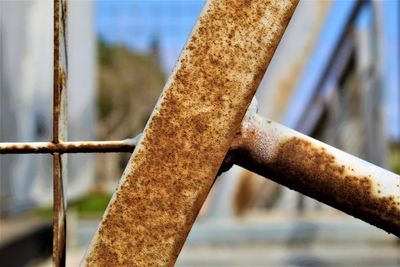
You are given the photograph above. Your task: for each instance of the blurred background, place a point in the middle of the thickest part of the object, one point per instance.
(334, 76)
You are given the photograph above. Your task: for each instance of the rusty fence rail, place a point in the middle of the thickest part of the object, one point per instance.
(127, 145)
(60, 79)
(193, 131)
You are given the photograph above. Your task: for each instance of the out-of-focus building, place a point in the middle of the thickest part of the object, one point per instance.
(26, 96)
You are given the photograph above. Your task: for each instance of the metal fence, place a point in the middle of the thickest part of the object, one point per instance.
(196, 131)
(58, 146)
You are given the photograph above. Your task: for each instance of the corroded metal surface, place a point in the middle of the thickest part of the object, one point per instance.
(320, 171)
(127, 145)
(59, 130)
(189, 133)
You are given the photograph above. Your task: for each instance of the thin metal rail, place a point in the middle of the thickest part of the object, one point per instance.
(127, 145)
(60, 78)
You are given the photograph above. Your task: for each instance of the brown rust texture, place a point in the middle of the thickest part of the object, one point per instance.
(67, 147)
(60, 84)
(189, 133)
(311, 170)
(59, 71)
(57, 82)
(59, 130)
(59, 219)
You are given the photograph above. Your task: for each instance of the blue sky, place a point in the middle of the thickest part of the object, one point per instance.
(391, 54)
(135, 23)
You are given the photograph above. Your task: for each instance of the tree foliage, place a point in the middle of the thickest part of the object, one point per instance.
(129, 84)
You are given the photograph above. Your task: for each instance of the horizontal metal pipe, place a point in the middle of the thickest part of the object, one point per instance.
(320, 171)
(292, 159)
(127, 145)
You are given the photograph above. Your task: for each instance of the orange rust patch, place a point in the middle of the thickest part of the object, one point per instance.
(189, 133)
(306, 168)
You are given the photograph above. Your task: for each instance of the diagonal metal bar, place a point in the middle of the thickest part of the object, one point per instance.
(185, 141)
(59, 130)
(320, 171)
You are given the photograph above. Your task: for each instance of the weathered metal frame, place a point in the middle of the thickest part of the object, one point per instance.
(265, 147)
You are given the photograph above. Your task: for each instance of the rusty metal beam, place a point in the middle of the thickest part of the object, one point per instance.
(60, 77)
(127, 145)
(320, 171)
(189, 132)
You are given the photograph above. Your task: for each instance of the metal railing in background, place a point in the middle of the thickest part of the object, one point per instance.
(195, 133)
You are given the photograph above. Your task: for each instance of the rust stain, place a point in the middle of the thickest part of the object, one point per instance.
(59, 71)
(68, 147)
(311, 170)
(57, 84)
(189, 133)
(332, 184)
(59, 130)
(59, 219)
(59, 102)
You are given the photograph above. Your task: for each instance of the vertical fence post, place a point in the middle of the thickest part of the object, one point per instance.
(59, 130)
